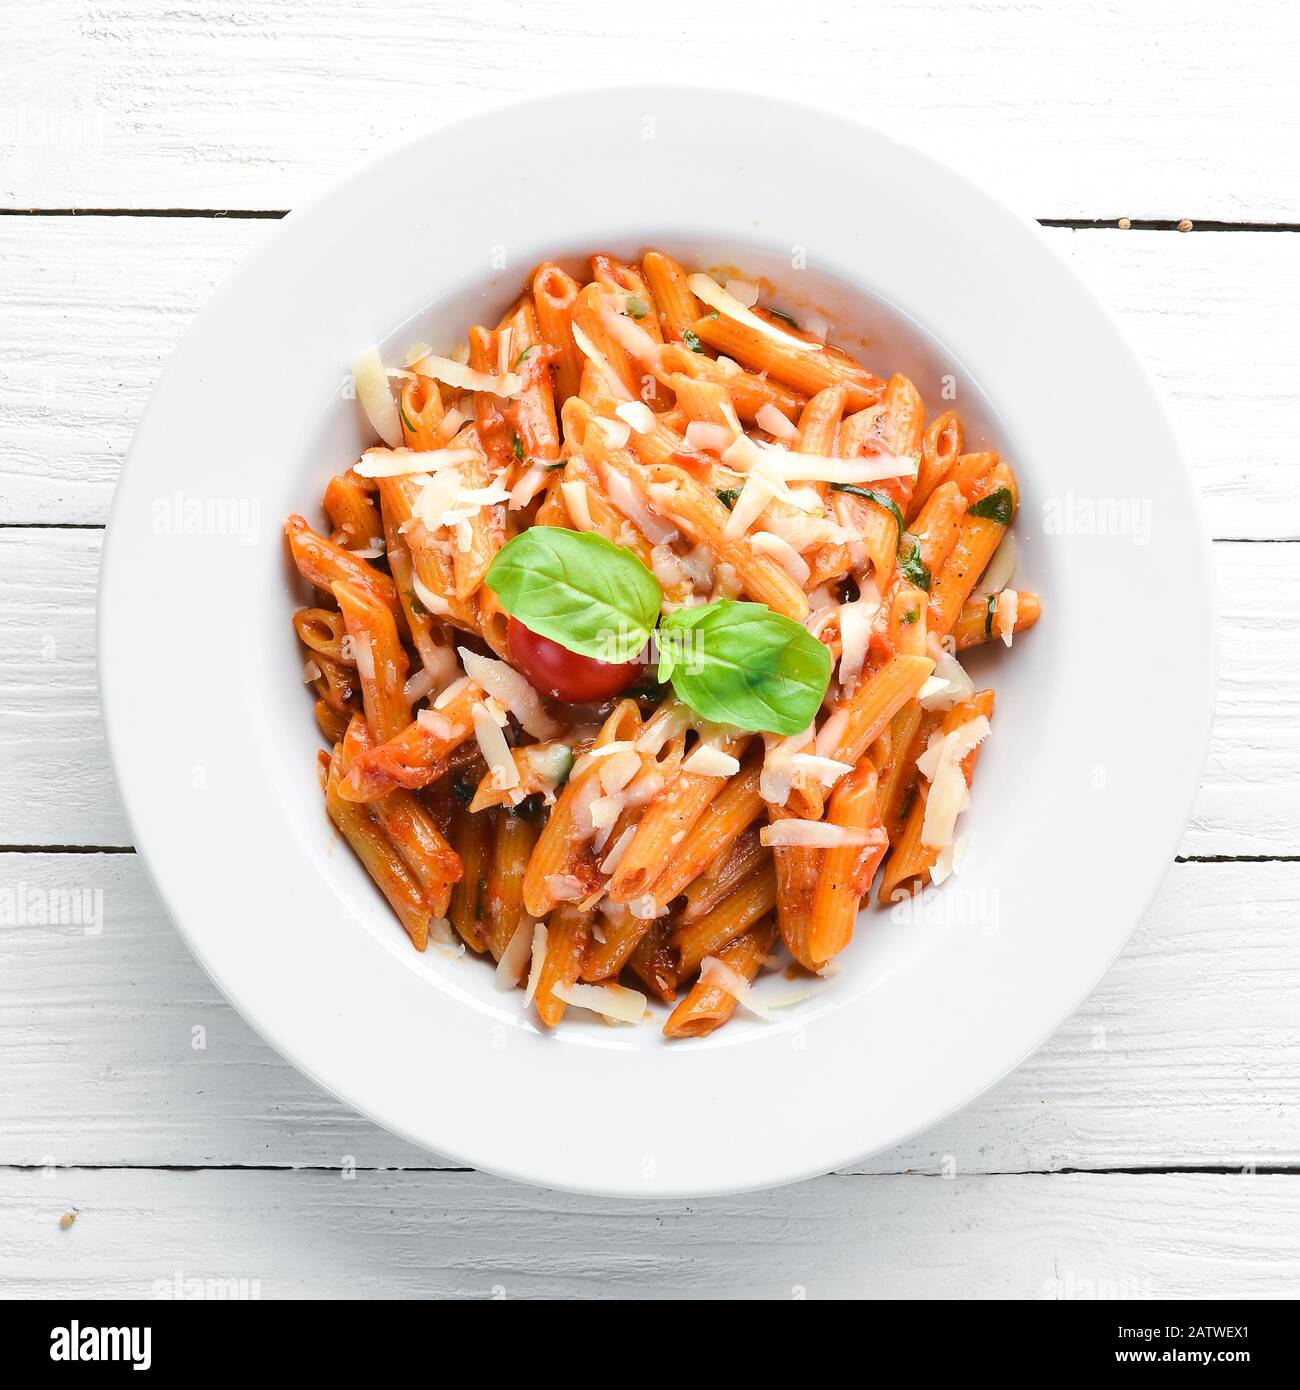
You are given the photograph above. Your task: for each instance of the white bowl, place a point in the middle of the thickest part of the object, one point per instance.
(1102, 714)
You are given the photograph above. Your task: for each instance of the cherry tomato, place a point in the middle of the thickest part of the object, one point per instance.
(555, 670)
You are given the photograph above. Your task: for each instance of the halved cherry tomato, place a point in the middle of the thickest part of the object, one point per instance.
(555, 670)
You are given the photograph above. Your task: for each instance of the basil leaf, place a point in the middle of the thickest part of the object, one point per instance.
(997, 506)
(523, 357)
(990, 608)
(743, 665)
(785, 318)
(578, 589)
(636, 306)
(517, 448)
(913, 568)
(691, 340)
(728, 497)
(881, 499)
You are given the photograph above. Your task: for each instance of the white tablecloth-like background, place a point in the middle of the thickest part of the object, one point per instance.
(1150, 1149)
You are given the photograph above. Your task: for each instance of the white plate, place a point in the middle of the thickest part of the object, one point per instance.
(1102, 716)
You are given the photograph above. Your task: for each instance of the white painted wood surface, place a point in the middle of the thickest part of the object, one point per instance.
(1187, 1058)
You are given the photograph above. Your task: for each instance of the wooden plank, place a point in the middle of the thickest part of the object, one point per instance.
(462, 1235)
(220, 105)
(118, 1050)
(1197, 306)
(56, 789)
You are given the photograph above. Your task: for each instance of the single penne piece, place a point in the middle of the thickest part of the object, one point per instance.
(381, 860)
(323, 631)
(567, 932)
(878, 697)
(421, 753)
(333, 724)
(665, 823)
(337, 685)
(468, 914)
(612, 364)
(677, 307)
(515, 837)
(352, 513)
(908, 868)
(936, 526)
(743, 857)
(534, 410)
(977, 539)
(381, 663)
(638, 297)
(321, 563)
(554, 295)
(726, 815)
(978, 620)
(732, 917)
(820, 420)
(708, 1006)
(564, 859)
(420, 409)
(941, 445)
(808, 372)
(654, 963)
(493, 434)
(846, 871)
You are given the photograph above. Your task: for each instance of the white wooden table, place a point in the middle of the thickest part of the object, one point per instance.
(1151, 1148)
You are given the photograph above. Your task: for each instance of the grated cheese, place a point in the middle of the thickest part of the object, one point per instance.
(705, 287)
(537, 962)
(1008, 607)
(514, 959)
(598, 359)
(769, 418)
(370, 381)
(574, 491)
(495, 749)
(638, 415)
(463, 378)
(816, 834)
(512, 690)
(785, 555)
(616, 1003)
(949, 793)
(709, 761)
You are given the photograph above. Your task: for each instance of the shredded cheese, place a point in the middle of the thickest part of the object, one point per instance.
(743, 292)
(512, 690)
(705, 287)
(370, 382)
(574, 491)
(538, 961)
(712, 439)
(785, 555)
(463, 378)
(948, 790)
(769, 418)
(495, 749)
(637, 415)
(598, 359)
(709, 761)
(949, 685)
(610, 861)
(514, 959)
(1008, 608)
(997, 573)
(816, 834)
(613, 1002)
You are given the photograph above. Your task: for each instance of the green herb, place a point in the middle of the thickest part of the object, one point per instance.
(785, 318)
(691, 341)
(462, 789)
(990, 609)
(517, 448)
(417, 607)
(728, 497)
(551, 467)
(712, 314)
(881, 499)
(743, 665)
(997, 506)
(524, 356)
(911, 616)
(913, 568)
(578, 589)
(637, 307)
(406, 419)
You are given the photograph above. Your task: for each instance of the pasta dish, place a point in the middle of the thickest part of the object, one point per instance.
(635, 641)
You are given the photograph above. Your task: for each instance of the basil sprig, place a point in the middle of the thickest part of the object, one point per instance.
(881, 499)
(744, 665)
(997, 506)
(733, 663)
(580, 590)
